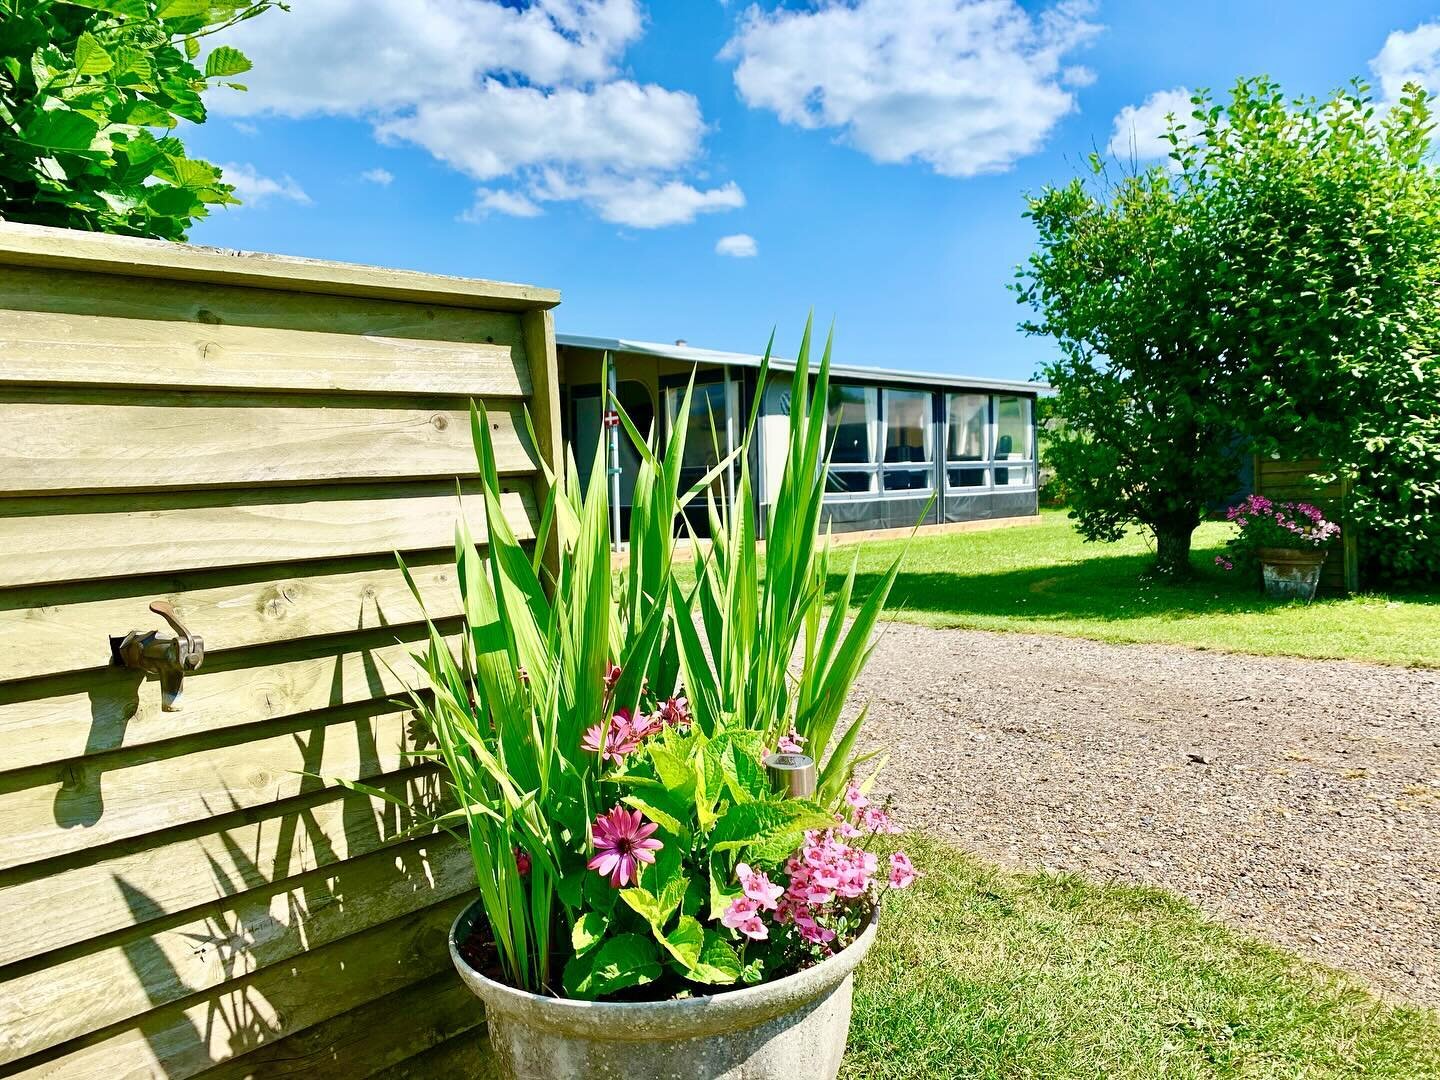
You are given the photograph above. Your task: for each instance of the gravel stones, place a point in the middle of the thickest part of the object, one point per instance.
(1298, 799)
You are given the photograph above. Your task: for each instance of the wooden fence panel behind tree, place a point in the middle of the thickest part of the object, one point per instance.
(251, 438)
(1292, 481)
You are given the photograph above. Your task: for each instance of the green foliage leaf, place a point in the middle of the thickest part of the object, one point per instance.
(134, 9)
(620, 962)
(588, 932)
(226, 61)
(180, 9)
(91, 57)
(60, 131)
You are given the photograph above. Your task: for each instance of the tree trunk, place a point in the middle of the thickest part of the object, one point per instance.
(1172, 550)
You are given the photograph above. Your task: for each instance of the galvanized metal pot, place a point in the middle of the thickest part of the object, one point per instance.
(1291, 574)
(790, 1029)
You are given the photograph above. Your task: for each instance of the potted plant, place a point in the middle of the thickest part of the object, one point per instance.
(1289, 542)
(668, 885)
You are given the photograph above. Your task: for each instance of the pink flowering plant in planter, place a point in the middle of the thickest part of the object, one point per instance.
(605, 737)
(1262, 523)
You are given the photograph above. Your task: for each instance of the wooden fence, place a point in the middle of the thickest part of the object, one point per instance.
(250, 438)
(1291, 481)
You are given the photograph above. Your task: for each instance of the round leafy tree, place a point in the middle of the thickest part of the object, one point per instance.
(90, 91)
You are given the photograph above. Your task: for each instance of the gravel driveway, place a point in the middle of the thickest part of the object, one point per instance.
(1298, 799)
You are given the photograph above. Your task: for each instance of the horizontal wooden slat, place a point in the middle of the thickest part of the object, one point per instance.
(226, 942)
(49, 444)
(36, 245)
(65, 539)
(55, 629)
(94, 713)
(202, 864)
(465, 1057)
(92, 803)
(41, 348)
(368, 1040)
(182, 1040)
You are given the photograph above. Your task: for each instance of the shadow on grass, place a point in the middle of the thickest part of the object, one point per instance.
(1109, 588)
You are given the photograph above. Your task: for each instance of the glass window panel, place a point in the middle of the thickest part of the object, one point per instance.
(967, 478)
(707, 401)
(1012, 429)
(965, 427)
(1014, 476)
(850, 421)
(907, 479)
(907, 426)
(846, 481)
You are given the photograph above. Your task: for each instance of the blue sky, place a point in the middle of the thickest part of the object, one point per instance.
(872, 154)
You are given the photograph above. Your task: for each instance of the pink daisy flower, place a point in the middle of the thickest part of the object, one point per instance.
(623, 840)
(620, 741)
(674, 712)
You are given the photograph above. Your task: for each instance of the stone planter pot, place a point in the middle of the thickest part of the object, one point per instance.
(1291, 574)
(790, 1029)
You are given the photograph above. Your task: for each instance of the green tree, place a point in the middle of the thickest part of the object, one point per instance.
(1120, 279)
(90, 91)
(1324, 220)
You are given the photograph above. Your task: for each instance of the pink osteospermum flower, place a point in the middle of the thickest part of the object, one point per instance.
(902, 871)
(619, 742)
(612, 675)
(757, 887)
(623, 840)
(641, 726)
(792, 742)
(674, 712)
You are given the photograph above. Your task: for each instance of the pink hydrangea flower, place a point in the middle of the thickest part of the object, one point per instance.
(743, 914)
(623, 840)
(792, 742)
(902, 871)
(757, 887)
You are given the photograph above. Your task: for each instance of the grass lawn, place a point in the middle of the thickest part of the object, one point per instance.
(980, 973)
(1044, 579)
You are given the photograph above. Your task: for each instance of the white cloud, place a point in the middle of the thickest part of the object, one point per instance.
(1409, 56)
(489, 201)
(383, 177)
(1139, 129)
(496, 129)
(966, 86)
(640, 202)
(496, 90)
(739, 246)
(344, 57)
(253, 189)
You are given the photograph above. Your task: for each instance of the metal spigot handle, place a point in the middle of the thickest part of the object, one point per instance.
(171, 616)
